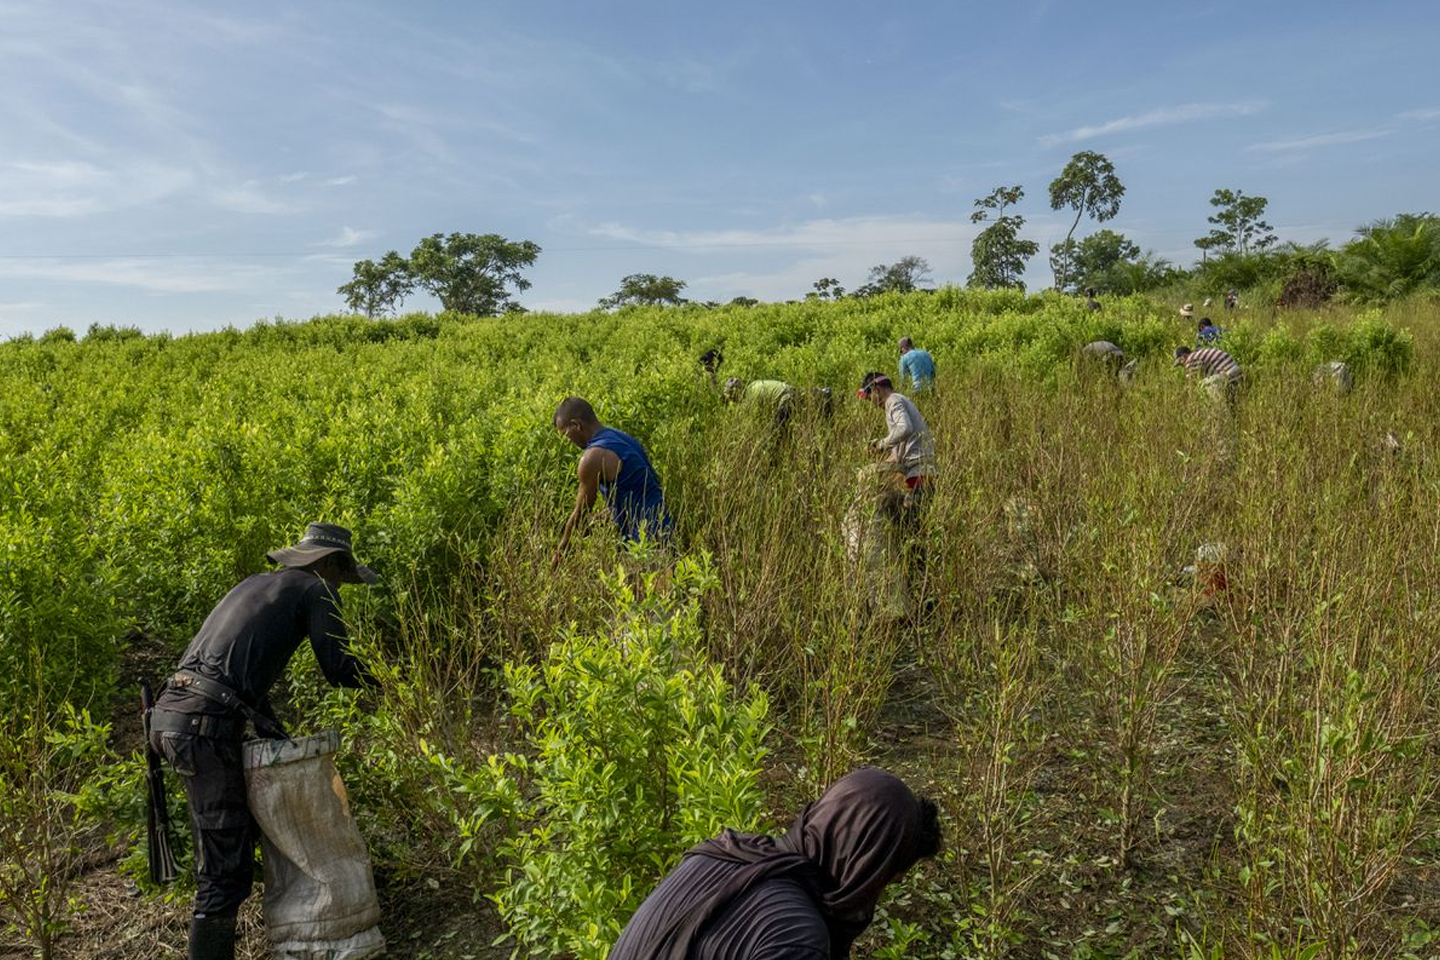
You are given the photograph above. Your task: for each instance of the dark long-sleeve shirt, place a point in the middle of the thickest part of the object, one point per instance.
(774, 920)
(249, 637)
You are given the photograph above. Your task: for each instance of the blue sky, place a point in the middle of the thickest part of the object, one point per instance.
(187, 165)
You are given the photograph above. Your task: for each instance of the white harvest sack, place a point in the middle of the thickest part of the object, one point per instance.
(319, 892)
(872, 544)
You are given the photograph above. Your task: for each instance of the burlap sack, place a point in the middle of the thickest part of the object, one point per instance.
(872, 542)
(319, 892)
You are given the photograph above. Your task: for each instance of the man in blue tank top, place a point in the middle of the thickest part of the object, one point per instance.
(614, 464)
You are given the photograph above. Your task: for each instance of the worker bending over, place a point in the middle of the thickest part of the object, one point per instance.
(616, 465)
(807, 894)
(224, 680)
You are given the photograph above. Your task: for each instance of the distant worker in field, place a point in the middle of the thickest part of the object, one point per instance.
(1207, 332)
(776, 396)
(616, 465)
(1219, 374)
(223, 681)
(1103, 350)
(1101, 355)
(806, 895)
(1091, 302)
(1232, 299)
(1187, 312)
(710, 362)
(917, 367)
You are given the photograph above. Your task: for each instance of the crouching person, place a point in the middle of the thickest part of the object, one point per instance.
(807, 894)
(223, 681)
(1220, 376)
(1101, 357)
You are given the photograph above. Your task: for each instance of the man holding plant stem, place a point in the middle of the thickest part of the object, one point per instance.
(615, 464)
(224, 678)
(908, 444)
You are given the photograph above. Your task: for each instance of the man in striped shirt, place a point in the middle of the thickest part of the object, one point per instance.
(1219, 373)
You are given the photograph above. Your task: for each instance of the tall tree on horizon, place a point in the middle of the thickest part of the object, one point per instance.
(998, 254)
(645, 289)
(471, 273)
(1088, 185)
(1239, 228)
(377, 289)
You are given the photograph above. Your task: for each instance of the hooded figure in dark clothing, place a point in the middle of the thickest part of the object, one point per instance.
(804, 896)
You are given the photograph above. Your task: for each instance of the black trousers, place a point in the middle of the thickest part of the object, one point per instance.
(225, 832)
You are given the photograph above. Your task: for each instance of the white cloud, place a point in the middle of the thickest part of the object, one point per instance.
(810, 235)
(690, 75)
(330, 259)
(1165, 116)
(157, 275)
(1320, 140)
(797, 255)
(75, 188)
(1419, 115)
(11, 320)
(341, 181)
(248, 197)
(952, 183)
(347, 237)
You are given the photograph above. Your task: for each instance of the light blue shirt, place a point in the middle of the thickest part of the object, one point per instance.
(918, 367)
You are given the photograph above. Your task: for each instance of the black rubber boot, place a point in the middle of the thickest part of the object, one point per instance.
(212, 938)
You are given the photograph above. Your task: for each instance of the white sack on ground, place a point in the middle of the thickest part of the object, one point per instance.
(319, 892)
(872, 542)
(1335, 375)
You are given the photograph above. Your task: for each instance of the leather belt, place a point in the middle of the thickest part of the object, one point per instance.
(198, 724)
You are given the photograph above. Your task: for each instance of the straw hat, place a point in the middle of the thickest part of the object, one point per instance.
(1188, 310)
(320, 541)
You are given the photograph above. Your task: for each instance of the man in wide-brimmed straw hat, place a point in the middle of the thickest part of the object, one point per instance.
(223, 681)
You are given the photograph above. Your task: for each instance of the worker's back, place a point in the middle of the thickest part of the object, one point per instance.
(773, 918)
(635, 499)
(918, 368)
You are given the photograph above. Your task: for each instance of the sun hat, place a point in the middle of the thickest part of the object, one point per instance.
(1188, 310)
(320, 541)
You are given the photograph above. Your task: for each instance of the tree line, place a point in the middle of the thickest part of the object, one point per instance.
(1389, 258)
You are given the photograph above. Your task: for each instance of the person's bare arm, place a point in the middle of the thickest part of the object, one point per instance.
(596, 465)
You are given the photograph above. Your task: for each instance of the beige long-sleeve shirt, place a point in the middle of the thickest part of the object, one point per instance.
(909, 442)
